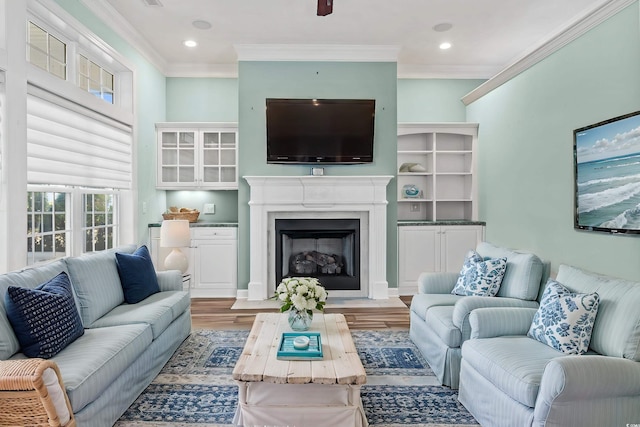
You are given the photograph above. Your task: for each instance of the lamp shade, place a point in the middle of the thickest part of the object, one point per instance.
(174, 233)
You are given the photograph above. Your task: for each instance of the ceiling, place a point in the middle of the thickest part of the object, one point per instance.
(486, 35)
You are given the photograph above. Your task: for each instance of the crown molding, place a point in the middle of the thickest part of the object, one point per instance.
(570, 33)
(110, 17)
(424, 71)
(317, 52)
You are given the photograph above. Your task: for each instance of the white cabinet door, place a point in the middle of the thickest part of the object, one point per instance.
(432, 248)
(215, 268)
(455, 242)
(418, 251)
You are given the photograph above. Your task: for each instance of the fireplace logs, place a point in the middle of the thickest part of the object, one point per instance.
(313, 262)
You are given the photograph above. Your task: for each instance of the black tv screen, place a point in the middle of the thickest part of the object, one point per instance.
(338, 131)
(607, 175)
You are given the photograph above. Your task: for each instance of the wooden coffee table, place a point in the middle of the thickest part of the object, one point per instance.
(302, 393)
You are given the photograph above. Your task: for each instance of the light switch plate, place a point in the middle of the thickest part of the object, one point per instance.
(209, 208)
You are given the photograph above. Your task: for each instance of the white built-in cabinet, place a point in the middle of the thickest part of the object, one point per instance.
(442, 159)
(197, 156)
(213, 260)
(433, 248)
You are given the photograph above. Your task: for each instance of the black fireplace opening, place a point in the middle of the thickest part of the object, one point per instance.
(328, 249)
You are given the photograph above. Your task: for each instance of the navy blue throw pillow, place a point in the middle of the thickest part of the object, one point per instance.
(45, 319)
(137, 275)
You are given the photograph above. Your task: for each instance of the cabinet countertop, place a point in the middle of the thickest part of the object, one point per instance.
(409, 222)
(201, 224)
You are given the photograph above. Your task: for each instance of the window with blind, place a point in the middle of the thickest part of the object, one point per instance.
(79, 151)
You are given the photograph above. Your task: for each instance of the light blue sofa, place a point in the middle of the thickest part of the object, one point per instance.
(508, 379)
(439, 321)
(124, 346)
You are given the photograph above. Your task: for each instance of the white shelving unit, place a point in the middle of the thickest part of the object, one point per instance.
(445, 154)
(197, 156)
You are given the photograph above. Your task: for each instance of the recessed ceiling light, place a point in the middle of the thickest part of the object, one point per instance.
(190, 43)
(445, 45)
(201, 25)
(442, 27)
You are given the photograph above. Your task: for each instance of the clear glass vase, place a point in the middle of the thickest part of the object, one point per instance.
(300, 320)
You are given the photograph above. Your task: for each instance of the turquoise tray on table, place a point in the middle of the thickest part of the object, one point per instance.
(288, 352)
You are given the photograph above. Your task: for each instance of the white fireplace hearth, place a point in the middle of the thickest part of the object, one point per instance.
(361, 197)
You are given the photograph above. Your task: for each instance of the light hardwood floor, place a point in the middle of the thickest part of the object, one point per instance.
(210, 313)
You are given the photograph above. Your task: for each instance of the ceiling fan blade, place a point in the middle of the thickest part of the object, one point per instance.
(325, 7)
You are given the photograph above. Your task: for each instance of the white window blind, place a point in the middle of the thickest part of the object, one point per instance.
(68, 144)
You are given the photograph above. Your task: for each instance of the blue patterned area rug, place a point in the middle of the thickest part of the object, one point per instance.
(195, 388)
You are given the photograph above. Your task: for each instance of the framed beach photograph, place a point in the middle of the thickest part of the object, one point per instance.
(607, 175)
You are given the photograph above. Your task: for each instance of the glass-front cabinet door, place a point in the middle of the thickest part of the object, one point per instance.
(178, 157)
(219, 157)
(202, 156)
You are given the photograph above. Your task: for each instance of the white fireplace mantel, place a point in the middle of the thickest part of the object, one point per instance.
(321, 195)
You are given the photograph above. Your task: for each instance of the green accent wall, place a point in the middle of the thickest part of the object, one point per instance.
(261, 80)
(202, 99)
(526, 146)
(433, 100)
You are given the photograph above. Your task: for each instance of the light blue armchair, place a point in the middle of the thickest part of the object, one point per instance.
(508, 379)
(440, 321)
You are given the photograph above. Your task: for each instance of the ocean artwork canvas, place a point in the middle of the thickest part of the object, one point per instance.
(607, 175)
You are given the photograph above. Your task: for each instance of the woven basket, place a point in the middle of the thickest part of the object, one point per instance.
(190, 216)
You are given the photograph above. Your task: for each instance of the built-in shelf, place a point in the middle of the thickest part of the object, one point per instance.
(445, 153)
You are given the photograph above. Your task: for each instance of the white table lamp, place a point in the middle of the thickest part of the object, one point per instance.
(174, 233)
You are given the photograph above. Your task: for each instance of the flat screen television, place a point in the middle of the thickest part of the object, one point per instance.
(320, 131)
(607, 175)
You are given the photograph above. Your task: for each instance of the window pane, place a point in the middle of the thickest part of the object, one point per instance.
(61, 247)
(88, 241)
(60, 203)
(47, 223)
(108, 96)
(88, 220)
(30, 201)
(37, 37)
(38, 58)
(99, 219)
(47, 243)
(107, 80)
(94, 72)
(48, 202)
(88, 203)
(57, 50)
(83, 65)
(60, 222)
(99, 203)
(37, 202)
(58, 69)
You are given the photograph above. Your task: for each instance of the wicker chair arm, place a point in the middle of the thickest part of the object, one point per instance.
(25, 398)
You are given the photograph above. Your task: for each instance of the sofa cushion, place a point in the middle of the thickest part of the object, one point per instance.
(45, 319)
(158, 310)
(514, 364)
(523, 275)
(440, 320)
(421, 303)
(480, 277)
(28, 278)
(618, 311)
(137, 275)
(565, 319)
(96, 282)
(98, 358)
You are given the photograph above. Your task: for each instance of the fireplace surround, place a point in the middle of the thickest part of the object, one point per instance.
(299, 197)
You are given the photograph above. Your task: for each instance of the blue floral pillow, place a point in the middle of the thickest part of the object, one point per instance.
(480, 277)
(565, 319)
(45, 319)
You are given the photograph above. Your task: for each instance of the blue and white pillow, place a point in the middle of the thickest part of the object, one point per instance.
(565, 319)
(44, 319)
(480, 277)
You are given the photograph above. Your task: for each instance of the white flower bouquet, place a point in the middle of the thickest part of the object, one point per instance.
(301, 294)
